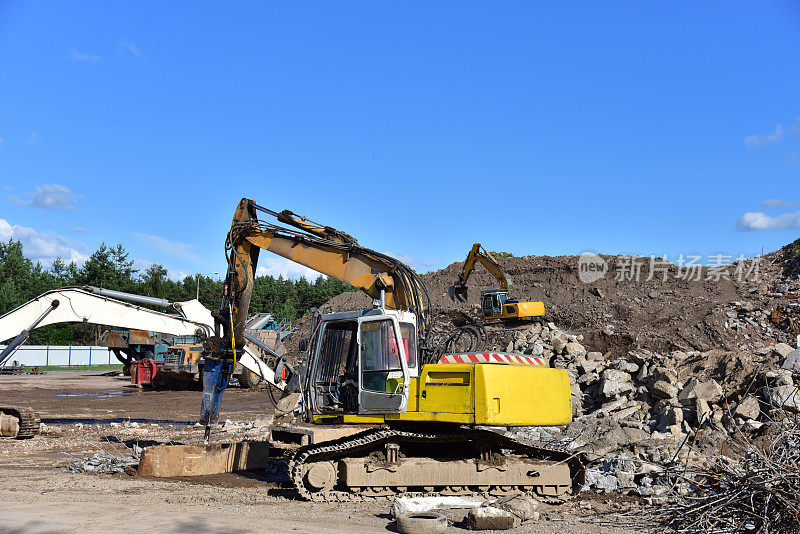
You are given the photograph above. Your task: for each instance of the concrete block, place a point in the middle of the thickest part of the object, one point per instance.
(194, 460)
(490, 518)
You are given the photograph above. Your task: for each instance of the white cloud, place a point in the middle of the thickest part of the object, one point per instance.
(48, 197)
(778, 203)
(411, 262)
(276, 266)
(754, 141)
(43, 246)
(761, 221)
(132, 48)
(176, 249)
(83, 56)
(79, 230)
(33, 139)
(776, 135)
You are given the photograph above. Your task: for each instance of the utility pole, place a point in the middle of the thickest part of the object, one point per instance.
(198, 282)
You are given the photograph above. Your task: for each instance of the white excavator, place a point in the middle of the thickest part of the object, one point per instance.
(86, 304)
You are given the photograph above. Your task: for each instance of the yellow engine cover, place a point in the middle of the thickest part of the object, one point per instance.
(520, 310)
(521, 395)
(489, 394)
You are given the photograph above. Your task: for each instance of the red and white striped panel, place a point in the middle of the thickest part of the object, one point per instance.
(493, 357)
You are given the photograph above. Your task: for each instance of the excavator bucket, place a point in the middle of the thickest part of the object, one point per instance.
(457, 292)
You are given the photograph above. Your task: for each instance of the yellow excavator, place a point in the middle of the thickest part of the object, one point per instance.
(383, 411)
(495, 303)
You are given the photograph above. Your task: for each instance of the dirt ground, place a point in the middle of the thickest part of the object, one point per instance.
(84, 412)
(74, 396)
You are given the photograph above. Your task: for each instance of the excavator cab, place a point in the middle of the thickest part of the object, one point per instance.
(362, 363)
(492, 302)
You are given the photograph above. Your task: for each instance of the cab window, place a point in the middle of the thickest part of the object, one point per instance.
(337, 356)
(409, 334)
(379, 354)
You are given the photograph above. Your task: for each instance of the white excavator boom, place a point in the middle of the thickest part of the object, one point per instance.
(95, 306)
(76, 305)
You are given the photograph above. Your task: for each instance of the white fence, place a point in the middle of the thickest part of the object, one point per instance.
(30, 355)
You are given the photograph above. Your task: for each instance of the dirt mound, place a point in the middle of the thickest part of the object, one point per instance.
(789, 257)
(674, 309)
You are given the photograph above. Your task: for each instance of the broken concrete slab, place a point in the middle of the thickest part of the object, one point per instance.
(709, 391)
(193, 460)
(792, 360)
(575, 350)
(523, 506)
(615, 383)
(664, 389)
(780, 377)
(787, 397)
(454, 508)
(749, 408)
(491, 518)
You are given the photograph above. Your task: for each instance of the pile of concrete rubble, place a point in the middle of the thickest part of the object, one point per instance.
(104, 462)
(770, 313)
(637, 416)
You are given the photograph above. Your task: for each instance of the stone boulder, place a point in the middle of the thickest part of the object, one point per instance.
(749, 408)
(615, 383)
(664, 390)
(709, 391)
(786, 397)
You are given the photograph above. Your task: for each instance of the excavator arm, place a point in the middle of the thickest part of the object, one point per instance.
(94, 305)
(322, 248)
(458, 291)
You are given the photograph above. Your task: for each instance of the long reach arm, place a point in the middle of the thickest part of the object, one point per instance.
(322, 248)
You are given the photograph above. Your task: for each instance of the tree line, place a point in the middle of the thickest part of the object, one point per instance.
(22, 279)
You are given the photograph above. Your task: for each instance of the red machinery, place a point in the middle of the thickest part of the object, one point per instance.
(144, 373)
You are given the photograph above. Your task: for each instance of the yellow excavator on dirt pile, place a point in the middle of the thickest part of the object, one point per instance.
(384, 412)
(495, 303)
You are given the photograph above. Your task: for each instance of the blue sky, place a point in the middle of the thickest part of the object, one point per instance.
(418, 127)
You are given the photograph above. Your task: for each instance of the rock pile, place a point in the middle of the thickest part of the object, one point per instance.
(636, 414)
(768, 315)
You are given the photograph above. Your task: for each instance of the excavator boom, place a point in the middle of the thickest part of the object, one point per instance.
(86, 304)
(322, 248)
(458, 291)
(94, 305)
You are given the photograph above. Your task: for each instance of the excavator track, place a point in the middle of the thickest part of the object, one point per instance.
(27, 419)
(381, 463)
